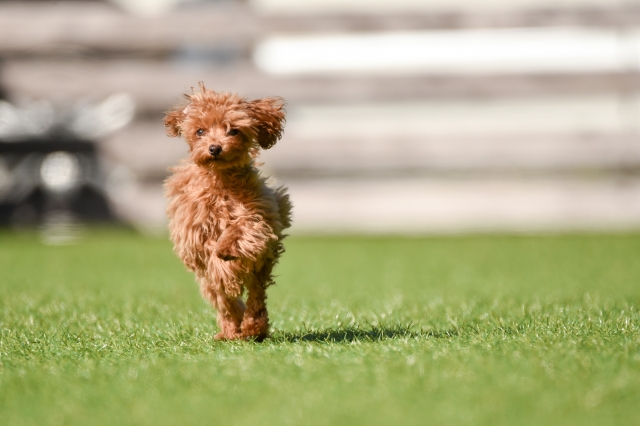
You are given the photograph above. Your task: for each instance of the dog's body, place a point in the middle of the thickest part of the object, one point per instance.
(226, 223)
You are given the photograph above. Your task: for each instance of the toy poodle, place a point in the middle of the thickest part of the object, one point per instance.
(226, 222)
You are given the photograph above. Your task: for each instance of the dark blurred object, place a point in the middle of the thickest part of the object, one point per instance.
(50, 169)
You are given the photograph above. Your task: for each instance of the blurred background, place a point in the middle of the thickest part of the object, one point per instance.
(404, 116)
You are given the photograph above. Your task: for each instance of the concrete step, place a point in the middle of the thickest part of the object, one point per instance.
(56, 27)
(435, 206)
(543, 134)
(157, 85)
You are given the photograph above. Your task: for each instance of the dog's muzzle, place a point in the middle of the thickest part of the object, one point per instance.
(215, 150)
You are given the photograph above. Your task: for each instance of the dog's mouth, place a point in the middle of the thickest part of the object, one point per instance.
(209, 160)
(217, 159)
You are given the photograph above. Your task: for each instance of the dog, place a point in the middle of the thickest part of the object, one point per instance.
(225, 221)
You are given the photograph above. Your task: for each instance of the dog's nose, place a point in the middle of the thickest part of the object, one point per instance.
(215, 150)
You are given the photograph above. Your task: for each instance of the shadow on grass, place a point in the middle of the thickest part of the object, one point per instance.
(356, 334)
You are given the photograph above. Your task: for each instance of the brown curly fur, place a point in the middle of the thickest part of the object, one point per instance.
(226, 223)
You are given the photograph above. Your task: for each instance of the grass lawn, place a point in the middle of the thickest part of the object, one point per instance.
(479, 330)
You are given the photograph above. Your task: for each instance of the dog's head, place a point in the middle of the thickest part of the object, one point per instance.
(224, 130)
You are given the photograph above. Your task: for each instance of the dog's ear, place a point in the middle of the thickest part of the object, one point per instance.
(268, 120)
(172, 122)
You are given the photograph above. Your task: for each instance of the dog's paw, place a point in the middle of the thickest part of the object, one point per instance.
(227, 336)
(227, 252)
(226, 257)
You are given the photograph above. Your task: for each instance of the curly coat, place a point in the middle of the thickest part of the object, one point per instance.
(226, 223)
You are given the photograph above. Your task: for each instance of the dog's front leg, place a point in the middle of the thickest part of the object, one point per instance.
(244, 238)
(255, 323)
(230, 312)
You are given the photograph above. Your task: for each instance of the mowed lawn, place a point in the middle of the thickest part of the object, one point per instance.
(478, 330)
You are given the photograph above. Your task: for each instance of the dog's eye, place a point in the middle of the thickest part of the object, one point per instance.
(233, 132)
(200, 132)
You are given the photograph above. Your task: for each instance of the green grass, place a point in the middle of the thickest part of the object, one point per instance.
(482, 330)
